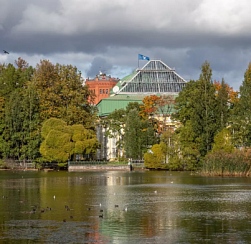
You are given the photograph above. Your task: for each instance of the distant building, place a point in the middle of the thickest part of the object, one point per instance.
(155, 78)
(101, 86)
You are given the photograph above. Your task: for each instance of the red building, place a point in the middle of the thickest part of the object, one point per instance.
(101, 85)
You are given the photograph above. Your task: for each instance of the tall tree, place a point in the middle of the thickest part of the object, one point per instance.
(139, 135)
(241, 119)
(222, 106)
(62, 94)
(197, 103)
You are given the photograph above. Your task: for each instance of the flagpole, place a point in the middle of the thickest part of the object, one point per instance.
(138, 61)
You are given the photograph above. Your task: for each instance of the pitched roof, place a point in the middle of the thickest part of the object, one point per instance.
(154, 78)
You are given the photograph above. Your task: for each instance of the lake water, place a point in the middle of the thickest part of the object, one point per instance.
(89, 207)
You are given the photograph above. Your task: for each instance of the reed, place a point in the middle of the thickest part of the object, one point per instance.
(221, 163)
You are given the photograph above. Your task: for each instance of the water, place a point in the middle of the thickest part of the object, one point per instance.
(162, 207)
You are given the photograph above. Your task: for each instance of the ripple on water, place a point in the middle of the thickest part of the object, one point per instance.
(49, 231)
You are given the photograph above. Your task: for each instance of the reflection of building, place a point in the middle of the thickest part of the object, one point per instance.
(101, 86)
(155, 78)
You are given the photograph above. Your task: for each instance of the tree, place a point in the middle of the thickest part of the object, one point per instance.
(61, 141)
(241, 118)
(19, 137)
(149, 109)
(232, 95)
(57, 145)
(115, 124)
(197, 103)
(133, 132)
(85, 140)
(188, 147)
(155, 157)
(222, 105)
(165, 107)
(222, 142)
(139, 135)
(62, 94)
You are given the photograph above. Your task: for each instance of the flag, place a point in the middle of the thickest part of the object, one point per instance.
(142, 57)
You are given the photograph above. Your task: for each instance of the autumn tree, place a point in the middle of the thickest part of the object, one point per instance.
(165, 107)
(232, 95)
(149, 109)
(62, 94)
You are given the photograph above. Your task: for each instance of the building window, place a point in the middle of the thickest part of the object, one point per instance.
(106, 91)
(103, 91)
(100, 91)
(94, 91)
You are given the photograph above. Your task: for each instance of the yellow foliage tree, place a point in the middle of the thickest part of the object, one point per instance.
(62, 141)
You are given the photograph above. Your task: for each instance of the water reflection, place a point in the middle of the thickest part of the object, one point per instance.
(162, 207)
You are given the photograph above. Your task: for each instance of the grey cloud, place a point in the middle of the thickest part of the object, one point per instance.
(183, 34)
(99, 64)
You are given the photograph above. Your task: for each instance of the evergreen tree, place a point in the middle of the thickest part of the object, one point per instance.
(139, 135)
(241, 118)
(222, 106)
(133, 135)
(197, 103)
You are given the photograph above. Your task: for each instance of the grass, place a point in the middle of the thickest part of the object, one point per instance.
(221, 163)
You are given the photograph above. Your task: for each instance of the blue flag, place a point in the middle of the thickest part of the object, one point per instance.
(142, 57)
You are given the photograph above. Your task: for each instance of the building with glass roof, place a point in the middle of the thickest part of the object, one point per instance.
(155, 78)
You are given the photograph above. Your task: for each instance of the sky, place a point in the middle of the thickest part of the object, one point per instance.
(108, 35)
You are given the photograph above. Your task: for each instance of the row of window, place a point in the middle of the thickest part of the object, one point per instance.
(101, 91)
(105, 91)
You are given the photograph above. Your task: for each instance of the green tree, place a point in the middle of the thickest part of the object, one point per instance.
(139, 135)
(222, 107)
(17, 140)
(61, 141)
(155, 158)
(133, 135)
(241, 118)
(197, 103)
(57, 145)
(115, 124)
(188, 147)
(222, 142)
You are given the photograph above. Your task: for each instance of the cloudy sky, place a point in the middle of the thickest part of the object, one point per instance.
(109, 34)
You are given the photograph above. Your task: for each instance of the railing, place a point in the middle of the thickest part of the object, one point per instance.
(87, 163)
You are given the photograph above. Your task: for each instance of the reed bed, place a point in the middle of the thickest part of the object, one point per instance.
(221, 163)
